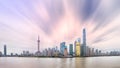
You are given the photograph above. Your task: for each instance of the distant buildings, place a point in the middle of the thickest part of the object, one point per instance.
(5, 50)
(77, 49)
(0, 53)
(49, 52)
(11, 54)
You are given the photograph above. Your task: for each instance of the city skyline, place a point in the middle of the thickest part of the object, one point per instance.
(55, 21)
(78, 49)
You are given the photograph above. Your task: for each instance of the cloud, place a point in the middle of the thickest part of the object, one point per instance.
(54, 11)
(57, 20)
(84, 9)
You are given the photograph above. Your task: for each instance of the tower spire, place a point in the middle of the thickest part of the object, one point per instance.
(38, 41)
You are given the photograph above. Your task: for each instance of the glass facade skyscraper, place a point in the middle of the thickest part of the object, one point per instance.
(77, 49)
(62, 47)
(5, 50)
(83, 47)
(71, 49)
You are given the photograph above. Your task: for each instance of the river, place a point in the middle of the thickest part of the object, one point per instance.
(88, 62)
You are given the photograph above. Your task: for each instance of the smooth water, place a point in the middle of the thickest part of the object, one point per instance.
(88, 62)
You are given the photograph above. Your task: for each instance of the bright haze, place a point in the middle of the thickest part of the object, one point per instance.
(55, 21)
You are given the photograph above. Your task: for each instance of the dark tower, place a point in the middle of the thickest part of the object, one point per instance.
(38, 41)
(84, 47)
(84, 37)
(5, 50)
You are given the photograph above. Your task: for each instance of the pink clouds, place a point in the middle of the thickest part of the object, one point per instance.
(56, 21)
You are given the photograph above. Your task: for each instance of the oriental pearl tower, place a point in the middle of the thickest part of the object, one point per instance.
(38, 41)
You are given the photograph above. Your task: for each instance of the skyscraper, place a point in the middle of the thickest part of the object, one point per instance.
(0, 53)
(84, 37)
(75, 47)
(71, 49)
(87, 51)
(5, 50)
(62, 47)
(38, 41)
(92, 52)
(65, 52)
(83, 47)
(77, 53)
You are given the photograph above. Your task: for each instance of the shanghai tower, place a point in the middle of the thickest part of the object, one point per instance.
(83, 48)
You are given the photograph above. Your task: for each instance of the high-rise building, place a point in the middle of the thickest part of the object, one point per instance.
(56, 48)
(96, 52)
(49, 52)
(5, 50)
(38, 41)
(84, 37)
(83, 53)
(92, 52)
(46, 52)
(71, 49)
(53, 51)
(77, 53)
(82, 50)
(75, 47)
(100, 52)
(87, 51)
(65, 52)
(0, 53)
(62, 48)
(11, 54)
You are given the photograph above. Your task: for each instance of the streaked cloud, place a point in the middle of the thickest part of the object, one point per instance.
(21, 21)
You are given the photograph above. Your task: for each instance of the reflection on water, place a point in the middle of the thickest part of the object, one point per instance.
(88, 62)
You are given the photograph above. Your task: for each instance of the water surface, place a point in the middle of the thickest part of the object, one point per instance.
(88, 62)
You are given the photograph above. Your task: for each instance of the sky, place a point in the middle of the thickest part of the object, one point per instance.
(55, 21)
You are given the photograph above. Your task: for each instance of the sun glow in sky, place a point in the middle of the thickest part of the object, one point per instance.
(21, 21)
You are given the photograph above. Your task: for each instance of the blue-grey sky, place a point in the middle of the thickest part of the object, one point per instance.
(21, 21)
